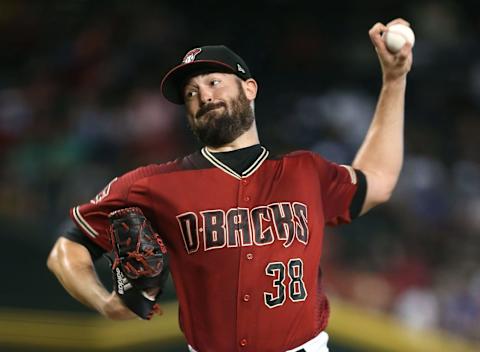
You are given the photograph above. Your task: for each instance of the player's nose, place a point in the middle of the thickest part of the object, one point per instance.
(205, 95)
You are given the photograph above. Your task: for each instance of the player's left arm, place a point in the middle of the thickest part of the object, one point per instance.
(380, 156)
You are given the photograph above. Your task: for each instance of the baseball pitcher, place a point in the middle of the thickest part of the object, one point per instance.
(239, 229)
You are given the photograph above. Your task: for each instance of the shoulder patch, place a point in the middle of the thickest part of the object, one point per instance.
(103, 193)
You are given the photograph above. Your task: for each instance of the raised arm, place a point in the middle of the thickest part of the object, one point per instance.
(380, 156)
(73, 266)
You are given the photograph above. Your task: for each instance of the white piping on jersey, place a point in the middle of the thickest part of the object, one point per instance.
(218, 163)
(256, 163)
(252, 168)
(351, 171)
(83, 224)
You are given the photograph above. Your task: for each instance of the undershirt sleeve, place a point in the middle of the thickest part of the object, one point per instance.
(359, 197)
(73, 233)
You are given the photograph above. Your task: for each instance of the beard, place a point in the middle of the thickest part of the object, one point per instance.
(217, 124)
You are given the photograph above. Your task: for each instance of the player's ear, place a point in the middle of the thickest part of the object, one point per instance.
(250, 87)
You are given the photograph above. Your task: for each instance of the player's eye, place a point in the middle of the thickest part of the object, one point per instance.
(214, 82)
(190, 94)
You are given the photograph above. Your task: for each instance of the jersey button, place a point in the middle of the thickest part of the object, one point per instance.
(245, 182)
(246, 298)
(243, 342)
(249, 256)
(246, 199)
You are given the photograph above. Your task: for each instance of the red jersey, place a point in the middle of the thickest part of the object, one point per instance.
(244, 249)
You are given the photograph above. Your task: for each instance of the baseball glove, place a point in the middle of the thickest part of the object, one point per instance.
(139, 261)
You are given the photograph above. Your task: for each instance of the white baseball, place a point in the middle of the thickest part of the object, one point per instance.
(397, 35)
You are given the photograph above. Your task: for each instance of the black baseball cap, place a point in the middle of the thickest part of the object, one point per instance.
(202, 60)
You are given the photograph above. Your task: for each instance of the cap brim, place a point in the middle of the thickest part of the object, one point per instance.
(175, 79)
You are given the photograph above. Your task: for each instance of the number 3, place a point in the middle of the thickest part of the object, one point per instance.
(296, 287)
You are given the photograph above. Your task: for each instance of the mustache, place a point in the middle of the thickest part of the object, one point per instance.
(208, 107)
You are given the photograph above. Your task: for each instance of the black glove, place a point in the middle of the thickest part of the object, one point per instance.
(139, 261)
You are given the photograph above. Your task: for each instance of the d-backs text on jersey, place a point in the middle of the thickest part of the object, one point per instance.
(262, 225)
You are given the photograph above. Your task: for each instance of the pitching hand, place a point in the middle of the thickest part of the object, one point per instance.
(394, 66)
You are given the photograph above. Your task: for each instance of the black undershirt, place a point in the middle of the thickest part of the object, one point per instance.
(238, 160)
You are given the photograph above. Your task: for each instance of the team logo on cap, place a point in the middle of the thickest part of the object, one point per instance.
(190, 56)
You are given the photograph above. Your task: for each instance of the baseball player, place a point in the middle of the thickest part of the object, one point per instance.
(243, 227)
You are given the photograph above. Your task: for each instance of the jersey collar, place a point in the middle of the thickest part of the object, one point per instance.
(249, 171)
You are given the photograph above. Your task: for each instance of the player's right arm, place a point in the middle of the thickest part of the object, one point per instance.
(72, 257)
(72, 264)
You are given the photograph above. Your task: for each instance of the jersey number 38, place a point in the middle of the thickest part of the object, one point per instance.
(296, 287)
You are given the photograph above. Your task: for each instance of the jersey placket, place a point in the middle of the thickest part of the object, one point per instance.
(245, 305)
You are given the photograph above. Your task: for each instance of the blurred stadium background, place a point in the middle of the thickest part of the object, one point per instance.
(80, 104)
